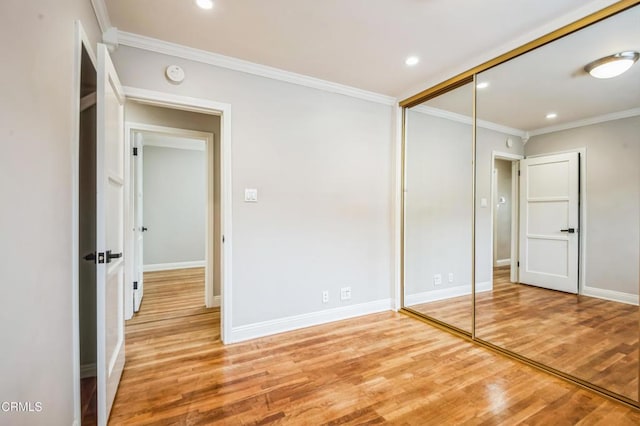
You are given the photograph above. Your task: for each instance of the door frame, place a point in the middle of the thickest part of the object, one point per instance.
(81, 41)
(168, 100)
(514, 159)
(208, 138)
(582, 212)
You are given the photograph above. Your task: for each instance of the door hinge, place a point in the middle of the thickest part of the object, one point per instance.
(518, 172)
(223, 239)
(135, 285)
(518, 263)
(135, 151)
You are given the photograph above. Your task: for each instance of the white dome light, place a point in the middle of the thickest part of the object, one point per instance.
(612, 66)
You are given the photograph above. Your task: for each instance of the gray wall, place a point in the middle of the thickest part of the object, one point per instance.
(502, 244)
(174, 205)
(613, 198)
(438, 203)
(322, 163)
(158, 116)
(439, 209)
(36, 128)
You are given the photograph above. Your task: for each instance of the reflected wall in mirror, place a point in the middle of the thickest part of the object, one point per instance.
(574, 225)
(438, 208)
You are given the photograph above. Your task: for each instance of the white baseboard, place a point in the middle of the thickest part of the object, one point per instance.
(88, 370)
(444, 293)
(216, 301)
(281, 325)
(615, 296)
(503, 262)
(176, 265)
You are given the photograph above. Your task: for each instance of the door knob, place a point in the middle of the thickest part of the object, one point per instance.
(570, 230)
(112, 256)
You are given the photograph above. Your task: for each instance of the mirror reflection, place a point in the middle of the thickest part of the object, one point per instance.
(559, 244)
(438, 208)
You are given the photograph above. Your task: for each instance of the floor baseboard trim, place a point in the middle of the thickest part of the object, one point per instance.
(281, 325)
(614, 296)
(175, 265)
(444, 293)
(88, 370)
(503, 262)
(216, 301)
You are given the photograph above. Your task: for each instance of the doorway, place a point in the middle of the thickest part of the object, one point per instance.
(87, 279)
(504, 215)
(175, 209)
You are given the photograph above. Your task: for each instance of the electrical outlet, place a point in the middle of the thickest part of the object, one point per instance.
(437, 279)
(345, 293)
(450, 277)
(325, 296)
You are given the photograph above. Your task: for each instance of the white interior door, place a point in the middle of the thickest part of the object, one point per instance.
(549, 212)
(109, 234)
(139, 228)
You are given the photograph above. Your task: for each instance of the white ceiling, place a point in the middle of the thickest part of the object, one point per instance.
(359, 43)
(552, 79)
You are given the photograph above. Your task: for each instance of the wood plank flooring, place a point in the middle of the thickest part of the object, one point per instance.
(590, 338)
(385, 368)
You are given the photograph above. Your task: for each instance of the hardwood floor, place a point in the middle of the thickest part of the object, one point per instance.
(384, 368)
(590, 338)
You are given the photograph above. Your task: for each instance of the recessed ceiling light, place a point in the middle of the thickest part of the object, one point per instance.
(483, 85)
(551, 115)
(412, 60)
(205, 4)
(613, 65)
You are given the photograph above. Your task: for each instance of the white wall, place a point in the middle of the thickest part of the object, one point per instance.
(174, 210)
(503, 211)
(36, 125)
(322, 163)
(613, 198)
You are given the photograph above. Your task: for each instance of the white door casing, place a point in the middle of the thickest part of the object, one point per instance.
(110, 180)
(138, 231)
(549, 221)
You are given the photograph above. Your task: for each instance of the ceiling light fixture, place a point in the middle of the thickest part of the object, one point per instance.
(412, 60)
(612, 65)
(483, 85)
(551, 115)
(205, 4)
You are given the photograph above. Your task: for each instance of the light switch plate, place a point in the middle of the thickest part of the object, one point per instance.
(250, 195)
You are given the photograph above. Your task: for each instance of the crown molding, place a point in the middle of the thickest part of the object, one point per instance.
(460, 118)
(102, 14)
(586, 122)
(172, 49)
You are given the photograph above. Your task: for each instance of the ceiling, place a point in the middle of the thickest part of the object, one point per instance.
(551, 78)
(359, 43)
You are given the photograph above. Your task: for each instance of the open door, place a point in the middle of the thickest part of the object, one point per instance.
(549, 215)
(109, 234)
(138, 227)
